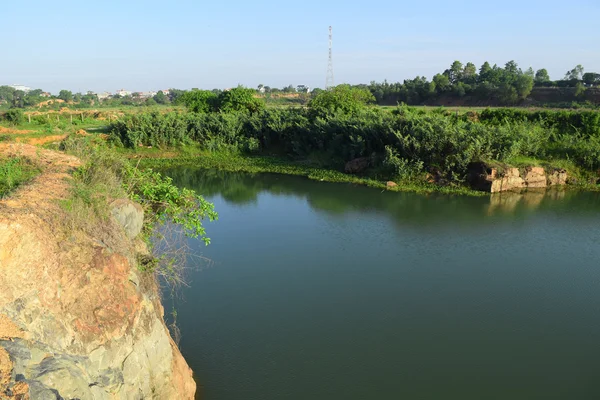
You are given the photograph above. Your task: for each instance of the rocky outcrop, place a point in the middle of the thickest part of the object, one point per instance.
(129, 215)
(77, 319)
(489, 179)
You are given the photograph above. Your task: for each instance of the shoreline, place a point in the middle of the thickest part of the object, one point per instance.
(232, 162)
(235, 162)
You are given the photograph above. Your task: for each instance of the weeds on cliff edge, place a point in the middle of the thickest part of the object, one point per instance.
(15, 171)
(171, 213)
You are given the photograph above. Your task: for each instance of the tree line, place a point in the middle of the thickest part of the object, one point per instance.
(488, 85)
(505, 85)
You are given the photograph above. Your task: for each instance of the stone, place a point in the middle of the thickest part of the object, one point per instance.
(535, 177)
(391, 184)
(357, 165)
(558, 177)
(129, 215)
(507, 183)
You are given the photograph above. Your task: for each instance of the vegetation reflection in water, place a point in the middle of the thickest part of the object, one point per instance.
(338, 198)
(337, 291)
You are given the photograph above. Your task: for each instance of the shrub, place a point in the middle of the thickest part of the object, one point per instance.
(14, 116)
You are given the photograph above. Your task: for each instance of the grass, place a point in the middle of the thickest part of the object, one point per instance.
(15, 172)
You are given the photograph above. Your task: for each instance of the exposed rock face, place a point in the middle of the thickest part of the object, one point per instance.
(482, 177)
(557, 177)
(129, 215)
(510, 181)
(357, 165)
(535, 177)
(77, 320)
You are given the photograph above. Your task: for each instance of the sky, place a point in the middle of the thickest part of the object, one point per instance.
(151, 45)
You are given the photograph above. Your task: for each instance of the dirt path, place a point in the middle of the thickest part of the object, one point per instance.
(50, 184)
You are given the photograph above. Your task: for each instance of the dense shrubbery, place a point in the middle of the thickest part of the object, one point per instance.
(14, 116)
(403, 144)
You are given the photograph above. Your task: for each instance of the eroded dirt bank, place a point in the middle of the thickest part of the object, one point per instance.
(77, 320)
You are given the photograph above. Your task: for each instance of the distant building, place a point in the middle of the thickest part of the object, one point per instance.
(21, 87)
(261, 89)
(45, 94)
(104, 95)
(302, 89)
(123, 92)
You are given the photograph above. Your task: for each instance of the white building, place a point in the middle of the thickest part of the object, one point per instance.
(123, 92)
(21, 87)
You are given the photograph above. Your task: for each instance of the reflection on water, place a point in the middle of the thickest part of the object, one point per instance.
(336, 291)
(335, 198)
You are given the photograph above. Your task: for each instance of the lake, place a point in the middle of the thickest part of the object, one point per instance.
(334, 291)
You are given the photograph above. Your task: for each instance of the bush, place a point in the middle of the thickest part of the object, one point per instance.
(403, 142)
(106, 175)
(14, 116)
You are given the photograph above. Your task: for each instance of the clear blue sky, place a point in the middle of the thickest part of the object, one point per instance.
(143, 45)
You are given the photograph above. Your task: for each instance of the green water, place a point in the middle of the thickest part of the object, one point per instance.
(333, 291)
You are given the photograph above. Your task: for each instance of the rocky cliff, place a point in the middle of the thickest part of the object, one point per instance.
(77, 319)
(489, 179)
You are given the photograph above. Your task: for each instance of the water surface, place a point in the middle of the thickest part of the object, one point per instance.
(335, 291)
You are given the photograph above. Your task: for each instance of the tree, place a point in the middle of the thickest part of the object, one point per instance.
(530, 72)
(591, 78)
(484, 72)
(18, 100)
(579, 89)
(6, 94)
(77, 97)
(343, 98)
(14, 116)
(523, 85)
(575, 74)
(239, 99)
(160, 98)
(65, 95)
(175, 95)
(316, 91)
(469, 74)
(442, 83)
(541, 76)
(199, 101)
(512, 68)
(455, 72)
(289, 89)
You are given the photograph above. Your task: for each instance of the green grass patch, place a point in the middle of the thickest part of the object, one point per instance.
(15, 172)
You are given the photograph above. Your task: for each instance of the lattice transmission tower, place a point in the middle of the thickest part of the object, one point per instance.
(329, 80)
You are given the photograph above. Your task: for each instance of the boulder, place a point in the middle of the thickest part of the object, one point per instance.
(535, 177)
(558, 177)
(357, 165)
(391, 184)
(129, 215)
